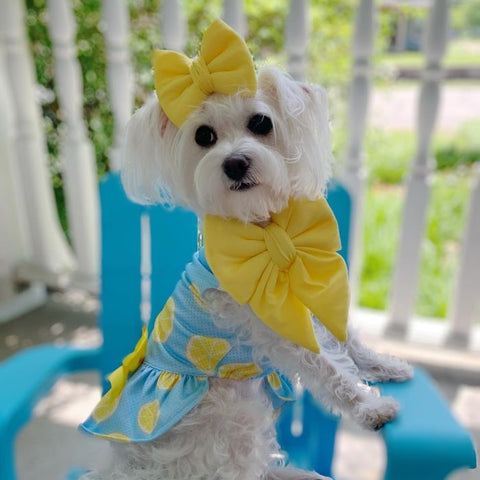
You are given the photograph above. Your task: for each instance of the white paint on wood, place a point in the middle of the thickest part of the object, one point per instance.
(354, 175)
(407, 265)
(78, 156)
(234, 15)
(49, 257)
(14, 245)
(467, 301)
(120, 80)
(297, 34)
(24, 301)
(173, 25)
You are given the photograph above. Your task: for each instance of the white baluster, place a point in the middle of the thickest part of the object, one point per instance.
(354, 174)
(418, 186)
(14, 245)
(51, 259)
(173, 25)
(297, 34)
(119, 71)
(13, 227)
(234, 15)
(78, 156)
(467, 302)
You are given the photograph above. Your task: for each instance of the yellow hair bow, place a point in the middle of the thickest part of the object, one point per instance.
(285, 271)
(224, 65)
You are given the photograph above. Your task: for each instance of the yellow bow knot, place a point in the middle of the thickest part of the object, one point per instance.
(286, 271)
(201, 76)
(224, 65)
(130, 364)
(279, 246)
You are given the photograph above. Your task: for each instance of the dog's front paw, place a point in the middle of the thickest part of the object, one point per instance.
(375, 413)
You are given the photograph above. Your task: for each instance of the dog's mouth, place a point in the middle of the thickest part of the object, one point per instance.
(242, 186)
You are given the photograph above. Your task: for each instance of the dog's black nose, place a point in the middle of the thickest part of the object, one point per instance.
(236, 166)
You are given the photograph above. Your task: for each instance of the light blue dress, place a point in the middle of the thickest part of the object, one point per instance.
(184, 349)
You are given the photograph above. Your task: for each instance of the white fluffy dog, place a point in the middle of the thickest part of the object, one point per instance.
(244, 157)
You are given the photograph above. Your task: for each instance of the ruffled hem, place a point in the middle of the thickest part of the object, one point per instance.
(154, 400)
(150, 404)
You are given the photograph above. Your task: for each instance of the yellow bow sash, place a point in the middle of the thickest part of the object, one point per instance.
(224, 65)
(118, 378)
(285, 271)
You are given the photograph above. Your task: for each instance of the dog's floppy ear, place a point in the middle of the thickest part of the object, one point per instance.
(304, 112)
(143, 170)
(282, 91)
(288, 95)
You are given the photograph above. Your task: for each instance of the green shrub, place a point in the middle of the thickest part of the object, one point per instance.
(459, 150)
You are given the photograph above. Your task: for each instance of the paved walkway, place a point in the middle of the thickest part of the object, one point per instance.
(396, 108)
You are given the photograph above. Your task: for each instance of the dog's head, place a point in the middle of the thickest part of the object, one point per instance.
(235, 156)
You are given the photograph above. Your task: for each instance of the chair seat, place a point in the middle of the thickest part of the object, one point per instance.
(425, 441)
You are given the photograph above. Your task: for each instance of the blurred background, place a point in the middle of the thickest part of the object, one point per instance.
(382, 80)
(390, 136)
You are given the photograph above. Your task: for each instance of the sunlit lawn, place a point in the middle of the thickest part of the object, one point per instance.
(460, 52)
(388, 158)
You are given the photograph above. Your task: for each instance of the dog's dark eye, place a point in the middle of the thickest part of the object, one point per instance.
(260, 124)
(205, 136)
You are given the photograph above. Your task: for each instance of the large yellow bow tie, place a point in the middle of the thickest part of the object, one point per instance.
(224, 65)
(285, 271)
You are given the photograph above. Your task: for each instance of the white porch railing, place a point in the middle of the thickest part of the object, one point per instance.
(33, 247)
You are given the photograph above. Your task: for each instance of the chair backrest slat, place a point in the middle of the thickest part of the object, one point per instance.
(340, 202)
(174, 240)
(120, 319)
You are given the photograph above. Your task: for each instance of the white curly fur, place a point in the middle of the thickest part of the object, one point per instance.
(230, 435)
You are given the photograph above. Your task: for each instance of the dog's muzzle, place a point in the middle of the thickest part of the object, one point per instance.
(236, 167)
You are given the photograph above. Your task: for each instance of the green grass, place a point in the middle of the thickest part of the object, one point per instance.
(382, 211)
(388, 158)
(459, 53)
(389, 153)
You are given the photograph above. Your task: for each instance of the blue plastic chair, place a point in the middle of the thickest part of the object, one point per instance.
(425, 442)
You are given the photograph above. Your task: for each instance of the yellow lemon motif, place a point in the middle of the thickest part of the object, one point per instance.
(164, 322)
(105, 407)
(239, 371)
(167, 380)
(274, 380)
(198, 296)
(115, 436)
(148, 416)
(206, 352)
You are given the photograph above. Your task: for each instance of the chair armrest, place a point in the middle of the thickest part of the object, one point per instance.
(29, 374)
(425, 441)
(24, 379)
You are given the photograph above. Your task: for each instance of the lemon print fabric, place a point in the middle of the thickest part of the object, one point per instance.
(164, 322)
(148, 416)
(116, 437)
(186, 348)
(106, 407)
(206, 352)
(197, 296)
(274, 380)
(239, 371)
(281, 387)
(167, 380)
